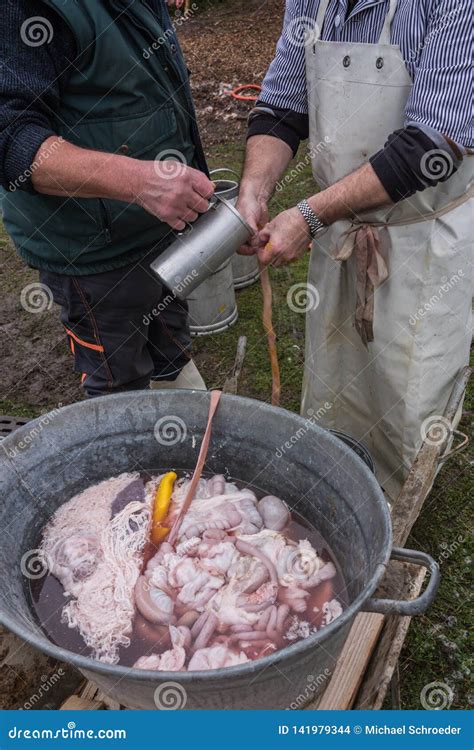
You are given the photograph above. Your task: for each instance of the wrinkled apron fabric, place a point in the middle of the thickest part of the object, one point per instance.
(393, 327)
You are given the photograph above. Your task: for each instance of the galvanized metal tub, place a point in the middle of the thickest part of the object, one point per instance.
(245, 269)
(47, 461)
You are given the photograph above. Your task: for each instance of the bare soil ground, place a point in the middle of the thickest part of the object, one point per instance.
(228, 45)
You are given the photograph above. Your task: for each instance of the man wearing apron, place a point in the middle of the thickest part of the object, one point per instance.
(385, 89)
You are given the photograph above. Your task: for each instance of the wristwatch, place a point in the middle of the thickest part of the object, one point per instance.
(315, 224)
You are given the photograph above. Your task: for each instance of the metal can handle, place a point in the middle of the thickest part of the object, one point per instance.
(410, 607)
(219, 170)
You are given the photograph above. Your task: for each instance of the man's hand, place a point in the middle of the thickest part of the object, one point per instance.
(255, 212)
(265, 160)
(286, 239)
(170, 190)
(173, 192)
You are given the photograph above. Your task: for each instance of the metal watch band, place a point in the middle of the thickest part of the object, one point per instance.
(315, 224)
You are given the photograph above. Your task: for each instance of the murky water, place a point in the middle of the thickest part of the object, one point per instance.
(47, 601)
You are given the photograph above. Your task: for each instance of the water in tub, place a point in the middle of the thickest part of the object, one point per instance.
(245, 578)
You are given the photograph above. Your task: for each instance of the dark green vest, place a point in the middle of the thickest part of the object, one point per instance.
(127, 93)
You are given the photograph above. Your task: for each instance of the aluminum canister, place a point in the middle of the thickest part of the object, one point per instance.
(203, 248)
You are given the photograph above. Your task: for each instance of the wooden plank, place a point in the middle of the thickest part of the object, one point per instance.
(92, 693)
(232, 382)
(76, 703)
(351, 664)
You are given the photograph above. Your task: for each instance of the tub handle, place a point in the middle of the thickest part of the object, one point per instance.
(410, 607)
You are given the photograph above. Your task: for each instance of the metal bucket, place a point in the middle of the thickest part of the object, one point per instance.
(48, 461)
(245, 269)
(358, 448)
(212, 306)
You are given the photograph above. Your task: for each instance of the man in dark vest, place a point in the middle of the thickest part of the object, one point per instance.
(100, 160)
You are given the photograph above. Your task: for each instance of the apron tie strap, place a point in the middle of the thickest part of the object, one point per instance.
(371, 268)
(371, 271)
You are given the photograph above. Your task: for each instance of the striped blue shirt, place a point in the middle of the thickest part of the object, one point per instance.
(436, 41)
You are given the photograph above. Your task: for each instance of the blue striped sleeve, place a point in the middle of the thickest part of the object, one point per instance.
(442, 90)
(284, 85)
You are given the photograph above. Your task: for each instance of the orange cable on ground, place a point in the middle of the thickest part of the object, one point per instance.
(236, 93)
(271, 337)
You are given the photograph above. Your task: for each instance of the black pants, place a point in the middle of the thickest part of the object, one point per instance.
(124, 328)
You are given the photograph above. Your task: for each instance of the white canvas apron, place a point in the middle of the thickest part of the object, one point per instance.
(382, 392)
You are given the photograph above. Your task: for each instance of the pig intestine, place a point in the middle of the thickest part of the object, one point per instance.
(232, 586)
(98, 561)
